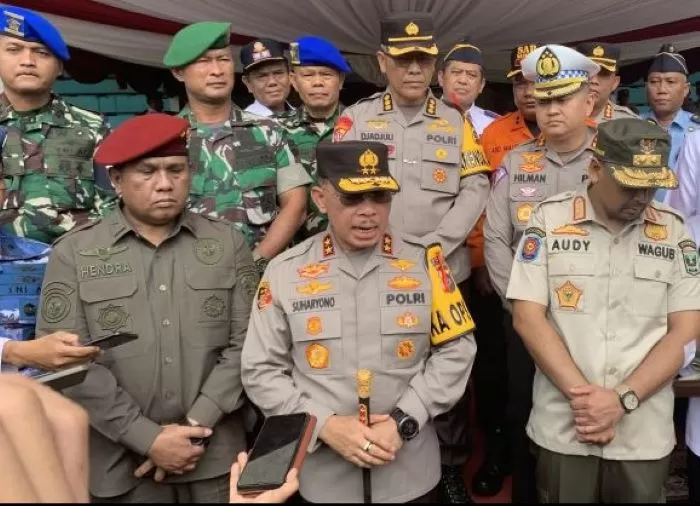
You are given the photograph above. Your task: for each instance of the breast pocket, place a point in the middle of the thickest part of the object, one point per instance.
(109, 305)
(207, 305)
(318, 343)
(651, 281)
(440, 168)
(405, 336)
(571, 282)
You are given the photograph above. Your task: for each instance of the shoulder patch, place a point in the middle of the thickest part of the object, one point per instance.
(77, 229)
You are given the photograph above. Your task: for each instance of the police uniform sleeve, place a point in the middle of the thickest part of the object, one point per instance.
(471, 200)
(437, 387)
(266, 363)
(498, 235)
(685, 198)
(684, 289)
(344, 128)
(290, 172)
(528, 276)
(222, 391)
(112, 411)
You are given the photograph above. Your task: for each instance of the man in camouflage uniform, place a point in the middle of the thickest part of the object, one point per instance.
(318, 74)
(49, 182)
(244, 170)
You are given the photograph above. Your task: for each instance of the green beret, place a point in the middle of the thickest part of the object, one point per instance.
(194, 40)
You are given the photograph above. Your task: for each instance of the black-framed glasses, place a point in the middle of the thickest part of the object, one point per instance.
(355, 199)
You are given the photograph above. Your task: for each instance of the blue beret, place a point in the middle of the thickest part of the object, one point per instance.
(30, 26)
(317, 51)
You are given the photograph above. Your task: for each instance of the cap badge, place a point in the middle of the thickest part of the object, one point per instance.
(548, 64)
(412, 29)
(294, 53)
(598, 51)
(648, 158)
(14, 24)
(258, 47)
(369, 161)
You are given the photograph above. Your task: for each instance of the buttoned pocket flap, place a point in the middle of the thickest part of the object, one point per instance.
(210, 278)
(440, 154)
(97, 290)
(315, 325)
(570, 265)
(653, 270)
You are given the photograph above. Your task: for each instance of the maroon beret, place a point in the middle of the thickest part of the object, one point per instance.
(145, 136)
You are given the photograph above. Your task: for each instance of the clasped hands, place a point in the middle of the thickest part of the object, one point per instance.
(597, 411)
(173, 451)
(363, 446)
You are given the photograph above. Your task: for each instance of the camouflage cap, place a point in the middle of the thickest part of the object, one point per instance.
(355, 166)
(635, 151)
(194, 40)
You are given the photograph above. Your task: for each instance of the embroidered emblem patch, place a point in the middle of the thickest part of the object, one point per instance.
(569, 296)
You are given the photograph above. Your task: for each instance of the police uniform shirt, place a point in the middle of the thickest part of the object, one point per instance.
(316, 322)
(443, 186)
(614, 111)
(530, 173)
(686, 198)
(608, 296)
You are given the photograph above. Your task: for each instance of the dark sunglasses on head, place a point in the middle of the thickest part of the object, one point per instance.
(354, 199)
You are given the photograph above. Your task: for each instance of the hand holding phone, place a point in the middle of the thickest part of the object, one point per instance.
(281, 445)
(274, 496)
(112, 340)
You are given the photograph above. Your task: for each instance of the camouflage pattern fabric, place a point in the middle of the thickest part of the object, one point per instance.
(235, 171)
(304, 135)
(48, 175)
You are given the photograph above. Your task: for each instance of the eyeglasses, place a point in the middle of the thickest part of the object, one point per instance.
(355, 199)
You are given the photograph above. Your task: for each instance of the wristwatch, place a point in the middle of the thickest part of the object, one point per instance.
(628, 398)
(408, 426)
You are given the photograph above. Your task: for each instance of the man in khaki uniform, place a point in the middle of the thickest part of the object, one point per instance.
(605, 82)
(554, 162)
(360, 296)
(167, 275)
(606, 294)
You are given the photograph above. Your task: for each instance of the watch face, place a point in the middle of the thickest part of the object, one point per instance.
(630, 401)
(409, 428)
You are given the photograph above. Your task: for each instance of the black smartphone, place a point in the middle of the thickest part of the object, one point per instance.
(281, 445)
(64, 378)
(112, 340)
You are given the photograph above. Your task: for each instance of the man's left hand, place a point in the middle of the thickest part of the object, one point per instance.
(596, 409)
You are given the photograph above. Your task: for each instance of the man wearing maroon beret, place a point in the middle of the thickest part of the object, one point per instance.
(164, 408)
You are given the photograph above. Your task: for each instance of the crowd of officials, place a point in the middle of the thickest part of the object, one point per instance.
(263, 256)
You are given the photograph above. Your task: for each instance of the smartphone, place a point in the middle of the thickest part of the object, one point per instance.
(64, 378)
(112, 340)
(281, 445)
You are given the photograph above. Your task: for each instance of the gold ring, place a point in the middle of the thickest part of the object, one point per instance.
(367, 446)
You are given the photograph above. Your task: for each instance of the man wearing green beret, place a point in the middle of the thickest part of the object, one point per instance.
(244, 170)
(606, 293)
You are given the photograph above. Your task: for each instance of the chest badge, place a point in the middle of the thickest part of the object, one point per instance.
(405, 349)
(404, 283)
(314, 325)
(656, 232)
(317, 356)
(531, 162)
(402, 265)
(407, 320)
(569, 295)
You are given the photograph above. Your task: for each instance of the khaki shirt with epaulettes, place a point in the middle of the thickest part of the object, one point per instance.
(444, 186)
(317, 321)
(188, 300)
(613, 111)
(529, 174)
(608, 296)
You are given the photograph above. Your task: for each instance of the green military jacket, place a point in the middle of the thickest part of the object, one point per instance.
(304, 136)
(239, 170)
(48, 174)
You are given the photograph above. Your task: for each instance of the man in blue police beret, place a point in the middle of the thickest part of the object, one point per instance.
(266, 75)
(49, 184)
(318, 73)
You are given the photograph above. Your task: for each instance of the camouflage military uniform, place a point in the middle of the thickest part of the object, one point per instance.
(304, 135)
(49, 179)
(240, 169)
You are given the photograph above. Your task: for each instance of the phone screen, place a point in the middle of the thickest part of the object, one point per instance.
(273, 452)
